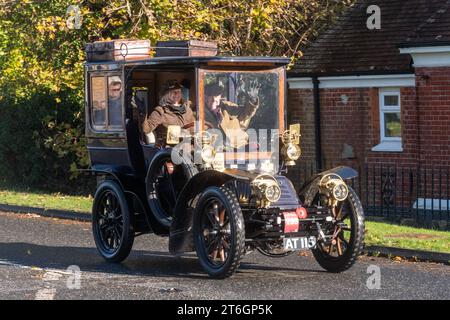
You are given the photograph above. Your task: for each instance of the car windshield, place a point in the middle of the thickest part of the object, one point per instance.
(241, 104)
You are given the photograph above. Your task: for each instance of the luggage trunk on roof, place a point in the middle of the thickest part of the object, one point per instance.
(192, 48)
(118, 50)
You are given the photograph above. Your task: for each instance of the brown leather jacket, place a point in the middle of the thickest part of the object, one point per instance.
(162, 117)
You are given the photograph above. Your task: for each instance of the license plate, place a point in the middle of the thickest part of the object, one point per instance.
(302, 243)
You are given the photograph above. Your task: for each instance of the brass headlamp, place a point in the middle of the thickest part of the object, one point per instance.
(266, 187)
(335, 186)
(208, 152)
(291, 150)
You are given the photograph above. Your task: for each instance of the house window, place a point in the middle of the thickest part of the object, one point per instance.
(106, 103)
(390, 121)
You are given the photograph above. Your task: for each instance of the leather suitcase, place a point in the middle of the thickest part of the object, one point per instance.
(193, 48)
(118, 50)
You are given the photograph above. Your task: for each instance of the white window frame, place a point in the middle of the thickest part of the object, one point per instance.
(388, 144)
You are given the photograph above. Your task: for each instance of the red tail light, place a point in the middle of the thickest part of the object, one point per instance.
(301, 213)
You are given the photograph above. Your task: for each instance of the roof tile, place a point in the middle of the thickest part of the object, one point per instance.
(350, 47)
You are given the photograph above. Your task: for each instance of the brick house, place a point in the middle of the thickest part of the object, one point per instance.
(378, 96)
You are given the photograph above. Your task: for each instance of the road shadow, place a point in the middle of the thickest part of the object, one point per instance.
(139, 263)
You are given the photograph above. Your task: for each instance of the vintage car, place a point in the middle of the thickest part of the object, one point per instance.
(207, 190)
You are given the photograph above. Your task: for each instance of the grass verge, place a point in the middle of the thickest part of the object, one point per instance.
(390, 235)
(44, 200)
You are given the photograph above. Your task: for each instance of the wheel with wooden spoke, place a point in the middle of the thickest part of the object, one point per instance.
(344, 237)
(219, 232)
(111, 222)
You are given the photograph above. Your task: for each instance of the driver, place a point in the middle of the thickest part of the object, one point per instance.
(232, 119)
(172, 110)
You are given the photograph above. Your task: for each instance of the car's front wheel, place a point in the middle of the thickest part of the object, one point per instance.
(344, 236)
(111, 222)
(219, 232)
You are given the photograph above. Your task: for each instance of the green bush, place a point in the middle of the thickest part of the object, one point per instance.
(42, 143)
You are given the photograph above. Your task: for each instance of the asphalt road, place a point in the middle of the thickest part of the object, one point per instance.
(35, 253)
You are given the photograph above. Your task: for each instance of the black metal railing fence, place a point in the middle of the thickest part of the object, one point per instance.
(418, 193)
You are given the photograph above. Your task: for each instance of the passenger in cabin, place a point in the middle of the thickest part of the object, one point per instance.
(172, 110)
(115, 101)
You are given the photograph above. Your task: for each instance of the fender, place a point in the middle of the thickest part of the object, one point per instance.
(159, 215)
(101, 170)
(310, 188)
(164, 154)
(130, 185)
(161, 154)
(181, 239)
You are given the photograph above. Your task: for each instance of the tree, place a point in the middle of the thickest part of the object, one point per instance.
(41, 62)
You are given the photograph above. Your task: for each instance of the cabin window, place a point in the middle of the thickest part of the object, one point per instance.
(114, 101)
(98, 102)
(140, 95)
(106, 103)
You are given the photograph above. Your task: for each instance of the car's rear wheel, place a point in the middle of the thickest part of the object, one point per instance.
(111, 222)
(219, 232)
(345, 237)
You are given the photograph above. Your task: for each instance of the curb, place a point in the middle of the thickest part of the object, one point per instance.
(49, 213)
(387, 252)
(416, 255)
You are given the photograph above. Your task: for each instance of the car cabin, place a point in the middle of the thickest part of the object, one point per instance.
(121, 92)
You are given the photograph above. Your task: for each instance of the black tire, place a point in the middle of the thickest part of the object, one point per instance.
(353, 246)
(112, 223)
(224, 211)
(163, 190)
